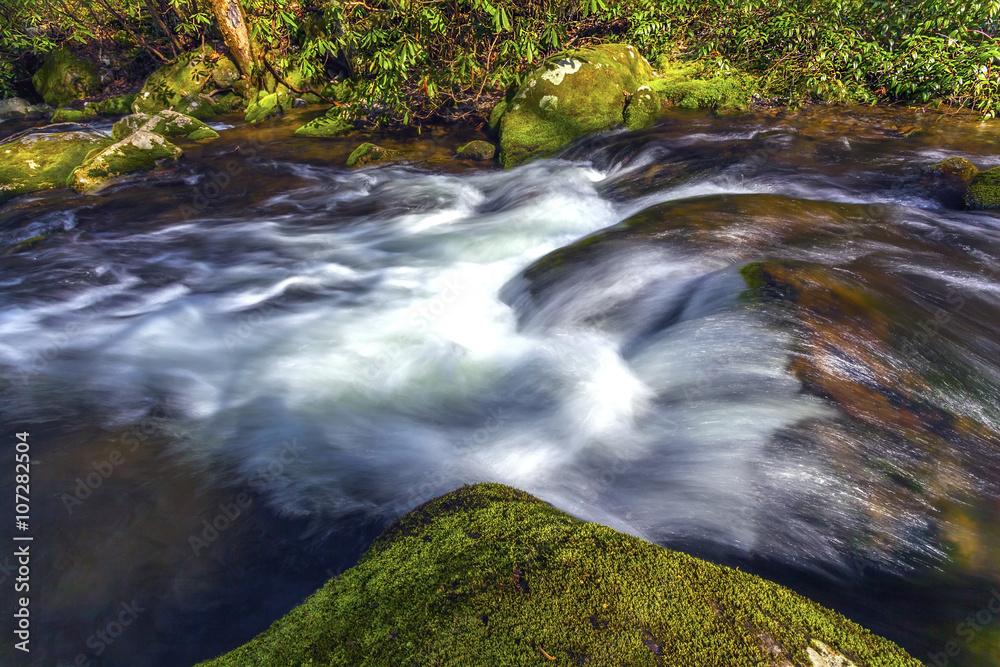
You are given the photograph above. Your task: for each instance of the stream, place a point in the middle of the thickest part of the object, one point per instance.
(763, 339)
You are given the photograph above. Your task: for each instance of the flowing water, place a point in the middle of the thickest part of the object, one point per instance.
(775, 347)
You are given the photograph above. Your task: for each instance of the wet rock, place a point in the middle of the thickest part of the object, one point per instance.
(427, 588)
(574, 93)
(267, 105)
(477, 150)
(64, 78)
(326, 126)
(984, 191)
(44, 161)
(140, 151)
(368, 154)
(949, 179)
(165, 123)
(642, 108)
(14, 108)
(67, 115)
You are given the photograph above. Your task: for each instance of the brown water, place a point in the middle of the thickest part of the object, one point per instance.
(259, 338)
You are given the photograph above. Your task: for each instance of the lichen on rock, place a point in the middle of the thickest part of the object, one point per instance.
(64, 78)
(44, 161)
(574, 93)
(489, 575)
(139, 151)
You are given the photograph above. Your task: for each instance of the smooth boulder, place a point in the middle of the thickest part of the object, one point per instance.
(140, 151)
(44, 161)
(15, 108)
(489, 575)
(574, 93)
(181, 86)
(368, 154)
(64, 78)
(476, 150)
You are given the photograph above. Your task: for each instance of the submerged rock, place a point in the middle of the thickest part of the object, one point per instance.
(574, 93)
(165, 123)
(64, 78)
(139, 151)
(488, 574)
(14, 108)
(44, 161)
(477, 150)
(368, 154)
(984, 191)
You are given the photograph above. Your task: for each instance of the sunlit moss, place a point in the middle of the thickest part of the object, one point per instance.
(489, 575)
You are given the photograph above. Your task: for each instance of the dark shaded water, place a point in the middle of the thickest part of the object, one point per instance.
(260, 339)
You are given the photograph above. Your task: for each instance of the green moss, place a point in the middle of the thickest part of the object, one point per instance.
(139, 151)
(326, 126)
(74, 115)
(225, 73)
(984, 191)
(954, 167)
(119, 106)
(180, 86)
(44, 161)
(64, 78)
(574, 93)
(488, 575)
(267, 105)
(165, 123)
(642, 108)
(368, 154)
(692, 85)
(477, 150)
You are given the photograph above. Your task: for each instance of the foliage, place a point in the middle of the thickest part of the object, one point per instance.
(417, 57)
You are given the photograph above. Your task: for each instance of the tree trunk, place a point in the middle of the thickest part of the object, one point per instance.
(233, 23)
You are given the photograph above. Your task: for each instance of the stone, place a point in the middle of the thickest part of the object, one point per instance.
(64, 115)
(15, 108)
(180, 86)
(477, 150)
(64, 78)
(642, 108)
(574, 93)
(44, 161)
(368, 154)
(984, 191)
(326, 126)
(140, 151)
(165, 123)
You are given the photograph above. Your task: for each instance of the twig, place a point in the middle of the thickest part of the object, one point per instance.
(545, 654)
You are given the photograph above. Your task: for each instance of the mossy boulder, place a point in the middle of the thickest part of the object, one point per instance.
(165, 123)
(574, 93)
(68, 115)
(326, 126)
(694, 85)
(368, 154)
(984, 191)
(268, 104)
(225, 73)
(642, 108)
(44, 161)
(181, 86)
(139, 151)
(489, 575)
(15, 108)
(118, 106)
(476, 150)
(63, 78)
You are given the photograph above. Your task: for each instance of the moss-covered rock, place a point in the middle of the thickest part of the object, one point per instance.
(44, 161)
(67, 115)
(225, 73)
(139, 151)
(477, 150)
(692, 85)
(64, 78)
(949, 179)
(326, 126)
(118, 106)
(165, 123)
(984, 190)
(368, 154)
(642, 108)
(15, 108)
(574, 93)
(267, 105)
(488, 575)
(181, 86)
